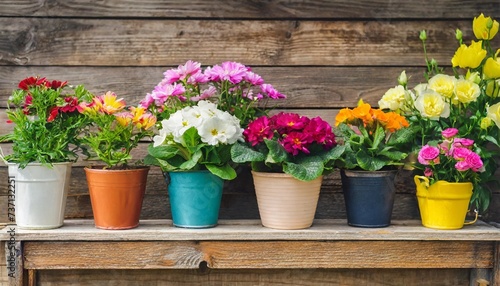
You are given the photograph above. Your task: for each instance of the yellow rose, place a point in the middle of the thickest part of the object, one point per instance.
(432, 105)
(442, 84)
(492, 68)
(484, 28)
(466, 91)
(493, 88)
(393, 99)
(486, 122)
(493, 112)
(469, 57)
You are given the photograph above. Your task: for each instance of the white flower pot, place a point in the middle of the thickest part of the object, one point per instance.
(40, 194)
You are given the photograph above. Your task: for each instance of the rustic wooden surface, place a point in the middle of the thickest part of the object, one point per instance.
(257, 254)
(324, 55)
(252, 230)
(252, 277)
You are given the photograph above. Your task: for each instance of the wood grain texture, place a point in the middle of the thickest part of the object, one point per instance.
(257, 254)
(252, 277)
(252, 230)
(306, 87)
(362, 9)
(122, 42)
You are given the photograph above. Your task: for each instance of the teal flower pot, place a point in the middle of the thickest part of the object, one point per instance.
(195, 198)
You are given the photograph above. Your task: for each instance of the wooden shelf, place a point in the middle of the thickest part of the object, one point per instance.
(245, 244)
(162, 230)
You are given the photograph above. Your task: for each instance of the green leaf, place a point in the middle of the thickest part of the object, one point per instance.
(305, 170)
(225, 172)
(378, 137)
(242, 153)
(277, 153)
(403, 135)
(334, 154)
(369, 163)
(192, 162)
(163, 151)
(391, 154)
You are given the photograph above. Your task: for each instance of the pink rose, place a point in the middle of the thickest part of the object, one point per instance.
(449, 132)
(461, 153)
(475, 162)
(462, 166)
(463, 142)
(428, 154)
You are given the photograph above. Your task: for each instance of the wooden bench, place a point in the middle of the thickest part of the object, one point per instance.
(245, 244)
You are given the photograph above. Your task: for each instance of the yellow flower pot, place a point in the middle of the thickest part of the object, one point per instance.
(443, 205)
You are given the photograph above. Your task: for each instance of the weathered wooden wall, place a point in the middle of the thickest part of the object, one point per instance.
(324, 55)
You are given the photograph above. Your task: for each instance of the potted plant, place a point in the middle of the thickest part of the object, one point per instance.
(232, 86)
(450, 168)
(468, 100)
(372, 148)
(193, 149)
(46, 125)
(117, 187)
(289, 155)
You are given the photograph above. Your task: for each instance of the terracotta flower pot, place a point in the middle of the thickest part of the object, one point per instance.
(116, 196)
(285, 202)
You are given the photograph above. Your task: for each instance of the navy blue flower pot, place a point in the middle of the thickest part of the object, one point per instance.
(195, 198)
(369, 197)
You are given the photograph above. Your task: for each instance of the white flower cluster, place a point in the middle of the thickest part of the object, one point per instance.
(213, 125)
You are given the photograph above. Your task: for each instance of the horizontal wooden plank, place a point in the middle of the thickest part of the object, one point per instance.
(122, 42)
(257, 254)
(306, 87)
(252, 230)
(252, 277)
(365, 9)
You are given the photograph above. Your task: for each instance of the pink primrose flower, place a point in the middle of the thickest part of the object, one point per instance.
(428, 154)
(290, 121)
(449, 132)
(296, 142)
(321, 132)
(258, 130)
(271, 91)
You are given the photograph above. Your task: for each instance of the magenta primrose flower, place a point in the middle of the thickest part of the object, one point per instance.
(295, 133)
